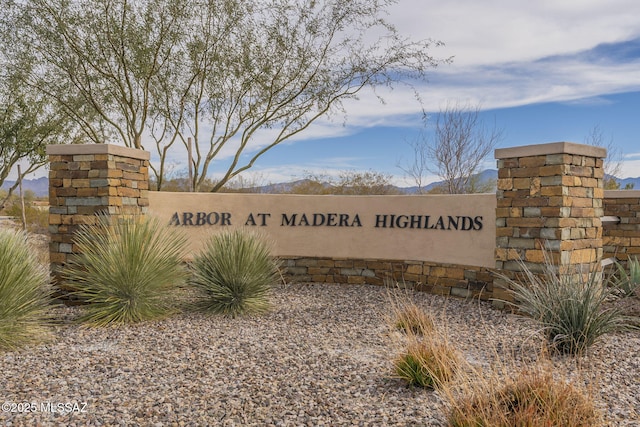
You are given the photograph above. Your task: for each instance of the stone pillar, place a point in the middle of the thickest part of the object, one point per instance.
(622, 238)
(85, 180)
(549, 195)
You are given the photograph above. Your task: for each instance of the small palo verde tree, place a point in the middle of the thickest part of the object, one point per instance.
(238, 77)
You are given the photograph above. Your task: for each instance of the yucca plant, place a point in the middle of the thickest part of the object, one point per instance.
(626, 285)
(426, 363)
(235, 272)
(532, 398)
(570, 307)
(125, 269)
(24, 292)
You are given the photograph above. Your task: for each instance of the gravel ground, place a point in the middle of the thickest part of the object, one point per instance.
(322, 356)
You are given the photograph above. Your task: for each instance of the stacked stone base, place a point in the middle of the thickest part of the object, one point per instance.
(440, 279)
(87, 180)
(621, 239)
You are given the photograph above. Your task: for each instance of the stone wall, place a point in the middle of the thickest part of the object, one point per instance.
(622, 239)
(549, 195)
(436, 278)
(85, 180)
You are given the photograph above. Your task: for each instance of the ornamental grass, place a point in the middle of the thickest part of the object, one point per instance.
(25, 293)
(425, 358)
(528, 397)
(627, 284)
(235, 273)
(125, 270)
(426, 362)
(569, 306)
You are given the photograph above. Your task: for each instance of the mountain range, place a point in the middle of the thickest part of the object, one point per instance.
(40, 186)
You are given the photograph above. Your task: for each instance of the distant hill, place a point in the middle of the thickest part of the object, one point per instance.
(630, 181)
(40, 186)
(485, 175)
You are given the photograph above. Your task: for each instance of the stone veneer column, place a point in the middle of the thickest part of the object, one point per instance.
(548, 195)
(85, 180)
(622, 239)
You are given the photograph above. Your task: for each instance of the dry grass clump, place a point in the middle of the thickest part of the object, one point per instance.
(531, 397)
(502, 394)
(426, 359)
(412, 319)
(427, 362)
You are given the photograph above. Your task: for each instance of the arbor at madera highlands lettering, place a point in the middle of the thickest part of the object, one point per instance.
(426, 222)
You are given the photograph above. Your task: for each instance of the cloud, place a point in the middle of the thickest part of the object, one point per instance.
(506, 54)
(501, 31)
(630, 169)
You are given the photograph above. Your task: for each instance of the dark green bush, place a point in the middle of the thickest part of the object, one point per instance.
(24, 291)
(235, 273)
(125, 269)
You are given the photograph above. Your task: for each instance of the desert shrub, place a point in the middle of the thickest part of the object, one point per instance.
(425, 357)
(24, 291)
(626, 285)
(426, 363)
(530, 397)
(570, 307)
(125, 269)
(235, 273)
(37, 220)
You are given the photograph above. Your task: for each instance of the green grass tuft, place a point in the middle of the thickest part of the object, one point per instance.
(570, 307)
(235, 273)
(626, 285)
(125, 270)
(24, 292)
(426, 363)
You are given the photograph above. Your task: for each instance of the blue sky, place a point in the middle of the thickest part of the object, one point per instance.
(543, 71)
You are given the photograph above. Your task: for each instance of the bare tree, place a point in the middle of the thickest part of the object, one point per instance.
(417, 168)
(613, 162)
(460, 143)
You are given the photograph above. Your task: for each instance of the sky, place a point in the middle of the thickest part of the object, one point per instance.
(542, 71)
